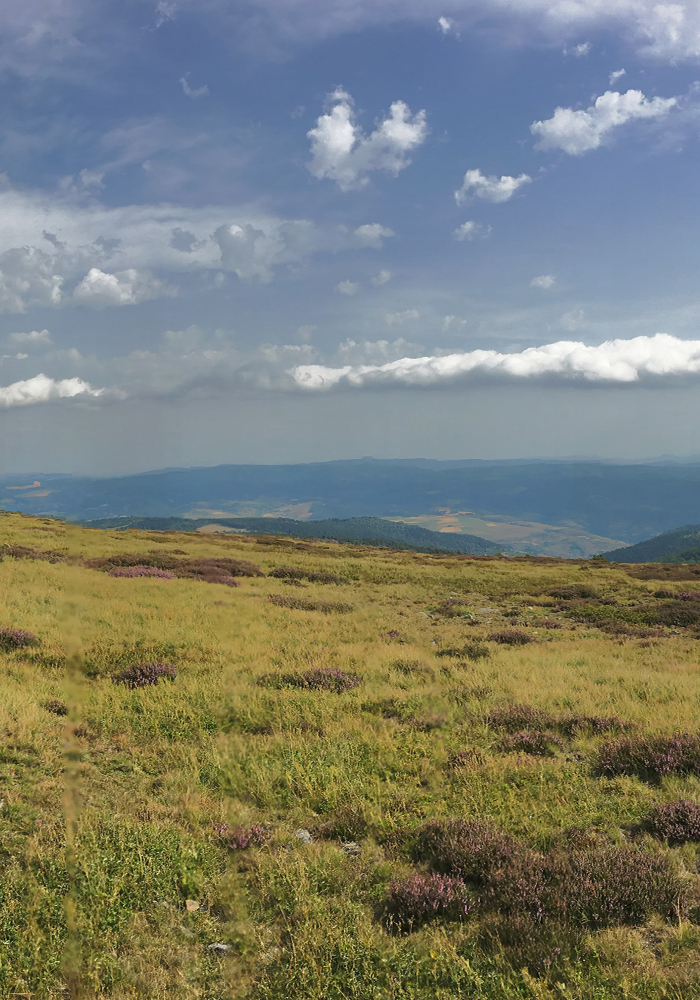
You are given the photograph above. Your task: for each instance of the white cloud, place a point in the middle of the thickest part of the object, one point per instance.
(381, 278)
(574, 320)
(617, 361)
(91, 178)
(452, 323)
(578, 51)
(165, 11)
(341, 152)
(347, 287)
(33, 338)
(123, 288)
(28, 278)
(471, 230)
(372, 235)
(42, 389)
(543, 281)
(616, 75)
(372, 351)
(577, 132)
(190, 92)
(399, 318)
(496, 189)
(447, 26)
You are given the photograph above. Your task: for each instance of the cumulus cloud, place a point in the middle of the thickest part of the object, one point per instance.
(399, 318)
(616, 361)
(372, 235)
(340, 151)
(35, 338)
(42, 389)
(616, 75)
(543, 281)
(123, 288)
(496, 189)
(347, 287)
(447, 26)
(453, 323)
(381, 278)
(578, 51)
(577, 132)
(471, 230)
(28, 278)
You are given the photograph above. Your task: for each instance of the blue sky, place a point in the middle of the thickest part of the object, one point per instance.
(289, 230)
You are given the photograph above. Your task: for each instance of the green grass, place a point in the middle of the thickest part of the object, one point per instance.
(109, 814)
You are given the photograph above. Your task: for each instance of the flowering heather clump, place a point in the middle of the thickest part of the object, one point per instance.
(320, 679)
(467, 848)
(535, 743)
(651, 757)
(303, 604)
(677, 822)
(572, 725)
(237, 838)
(415, 900)
(513, 718)
(145, 674)
(16, 638)
(510, 637)
(572, 592)
(453, 607)
(56, 707)
(551, 623)
(215, 570)
(130, 571)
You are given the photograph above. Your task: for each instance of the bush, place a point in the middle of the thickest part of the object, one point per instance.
(513, 718)
(319, 678)
(677, 822)
(130, 571)
(145, 674)
(238, 838)
(651, 757)
(471, 849)
(290, 573)
(510, 637)
(415, 900)
(303, 604)
(16, 638)
(453, 607)
(537, 743)
(572, 592)
(56, 707)
(216, 570)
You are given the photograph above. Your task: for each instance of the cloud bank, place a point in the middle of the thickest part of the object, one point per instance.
(617, 361)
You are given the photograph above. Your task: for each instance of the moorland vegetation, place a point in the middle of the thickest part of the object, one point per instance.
(278, 768)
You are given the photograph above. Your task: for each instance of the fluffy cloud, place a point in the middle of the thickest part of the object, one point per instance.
(614, 361)
(340, 151)
(123, 288)
(543, 281)
(616, 75)
(191, 92)
(42, 389)
(35, 338)
(471, 230)
(577, 132)
(399, 318)
(496, 189)
(578, 51)
(372, 235)
(28, 278)
(381, 278)
(447, 26)
(347, 287)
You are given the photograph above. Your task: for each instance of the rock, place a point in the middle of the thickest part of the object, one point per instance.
(192, 905)
(218, 948)
(304, 836)
(351, 848)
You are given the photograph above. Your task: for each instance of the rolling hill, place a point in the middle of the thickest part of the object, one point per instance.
(682, 545)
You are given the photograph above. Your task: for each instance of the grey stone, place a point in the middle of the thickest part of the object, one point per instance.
(304, 836)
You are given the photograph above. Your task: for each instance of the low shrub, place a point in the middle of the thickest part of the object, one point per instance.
(470, 849)
(677, 822)
(131, 571)
(573, 592)
(510, 637)
(16, 638)
(304, 604)
(238, 838)
(56, 707)
(25, 552)
(473, 651)
(513, 718)
(551, 623)
(453, 607)
(319, 678)
(536, 743)
(215, 570)
(410, 668)
(291, 573)
(145, 674)
(413, 901)
(651, 757)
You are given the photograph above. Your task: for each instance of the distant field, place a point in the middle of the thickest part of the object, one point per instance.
(569, 542)
(376, 774)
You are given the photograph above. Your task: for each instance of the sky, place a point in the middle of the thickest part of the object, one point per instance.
(302, 230)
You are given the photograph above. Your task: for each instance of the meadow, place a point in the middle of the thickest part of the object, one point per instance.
(374, 774)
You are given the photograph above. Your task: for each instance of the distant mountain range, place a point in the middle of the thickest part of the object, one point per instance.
(628, 503)
(682, 545)
(355, 530)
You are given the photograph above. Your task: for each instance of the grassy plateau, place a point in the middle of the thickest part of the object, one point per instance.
(372, 774)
